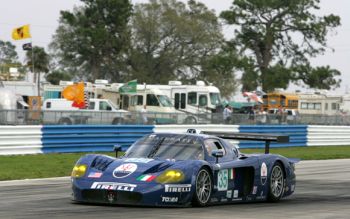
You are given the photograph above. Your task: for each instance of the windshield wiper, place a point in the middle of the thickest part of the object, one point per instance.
(155, 148)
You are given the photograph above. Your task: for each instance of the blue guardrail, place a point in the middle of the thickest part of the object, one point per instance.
(297, 135)
(90, 138)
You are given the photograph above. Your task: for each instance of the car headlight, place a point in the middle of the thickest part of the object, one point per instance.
(171, 176)
(79, 170)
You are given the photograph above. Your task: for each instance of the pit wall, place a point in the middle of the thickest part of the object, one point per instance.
(90, 138)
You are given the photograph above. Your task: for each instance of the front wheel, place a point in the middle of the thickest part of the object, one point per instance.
(277, 180)
(203, 188)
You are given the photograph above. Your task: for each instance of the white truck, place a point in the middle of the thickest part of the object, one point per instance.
(99, 111)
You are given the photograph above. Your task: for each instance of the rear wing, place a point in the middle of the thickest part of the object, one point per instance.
(251, 137)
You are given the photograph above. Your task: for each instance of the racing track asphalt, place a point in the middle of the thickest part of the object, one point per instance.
(323, 191)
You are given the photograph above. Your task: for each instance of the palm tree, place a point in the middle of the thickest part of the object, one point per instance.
(39, 64)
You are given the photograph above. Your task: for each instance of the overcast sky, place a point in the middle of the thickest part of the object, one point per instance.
(43, 16)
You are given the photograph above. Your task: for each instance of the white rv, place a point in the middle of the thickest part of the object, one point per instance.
(159, 106)
(198, 98)
(99, 111)
(186, 103)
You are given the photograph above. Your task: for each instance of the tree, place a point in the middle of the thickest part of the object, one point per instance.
(41, 61)
(282, 36)
(93, 39)
(56, 76)
(173, 41)
(8, 52)
(8, 56)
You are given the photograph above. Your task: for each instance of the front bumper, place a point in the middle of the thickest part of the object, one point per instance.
(143, 194)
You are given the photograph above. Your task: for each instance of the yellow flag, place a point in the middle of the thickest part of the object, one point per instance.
(21, 33)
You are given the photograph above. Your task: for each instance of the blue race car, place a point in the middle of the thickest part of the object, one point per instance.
(166, 169)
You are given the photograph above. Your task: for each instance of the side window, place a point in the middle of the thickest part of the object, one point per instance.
(183, 101)
(152, 100)
(139, 100)
(177, 100)
(91, 106)
(212, 145)
(105, 106)
(48, 105)
(203, 100)
(192, 98)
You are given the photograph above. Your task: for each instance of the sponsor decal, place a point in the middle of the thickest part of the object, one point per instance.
(124, 170)
(178, 188)
(255, 188)
(263, 173)
(223, 200)
(292, 188)
(261, 196)
(232, 174)
(170, 199)
(138, 160)
(110, 196)
(229, 194)
(223, 180)
(113, 186)
(214, 200)
(94, 174)
(235, 194)
(146, 178)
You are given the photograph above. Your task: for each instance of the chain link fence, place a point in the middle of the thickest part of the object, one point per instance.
(29, 117)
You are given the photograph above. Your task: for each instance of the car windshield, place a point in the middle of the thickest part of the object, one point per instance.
(165, 101)
(215, 98)
(178, 147)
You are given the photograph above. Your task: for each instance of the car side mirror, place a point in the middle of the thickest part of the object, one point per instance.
(116, 149)
(217, 154)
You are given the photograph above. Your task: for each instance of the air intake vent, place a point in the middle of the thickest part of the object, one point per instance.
(101, 163)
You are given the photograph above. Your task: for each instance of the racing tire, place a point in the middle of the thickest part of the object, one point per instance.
(190, 120)
(65, 121)
(276, 183)
(118, 121)
(203, 188)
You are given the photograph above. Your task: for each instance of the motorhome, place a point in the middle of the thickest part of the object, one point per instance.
(159, 107)
(99, 111)
(189, 102)
(197, 98)
(319, 103)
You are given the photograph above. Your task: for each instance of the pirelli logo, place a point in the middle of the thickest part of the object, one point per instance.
(113, 186)
(178, 188)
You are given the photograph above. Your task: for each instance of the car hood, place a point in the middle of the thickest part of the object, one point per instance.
(130, 169)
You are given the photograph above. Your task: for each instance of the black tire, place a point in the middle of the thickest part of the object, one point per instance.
(276, 183)
(190, 120)
(65, 121)
(203, 188)
(118, 121)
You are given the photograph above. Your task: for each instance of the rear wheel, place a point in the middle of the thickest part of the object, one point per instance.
(277, 180)
(203, 188)
(118, 121)
(190, 120)
(65, 121)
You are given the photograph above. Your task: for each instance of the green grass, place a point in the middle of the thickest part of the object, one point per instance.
(55, 165)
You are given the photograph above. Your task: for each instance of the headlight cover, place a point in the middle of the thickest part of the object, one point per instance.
(79, 170)
(171, 176)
